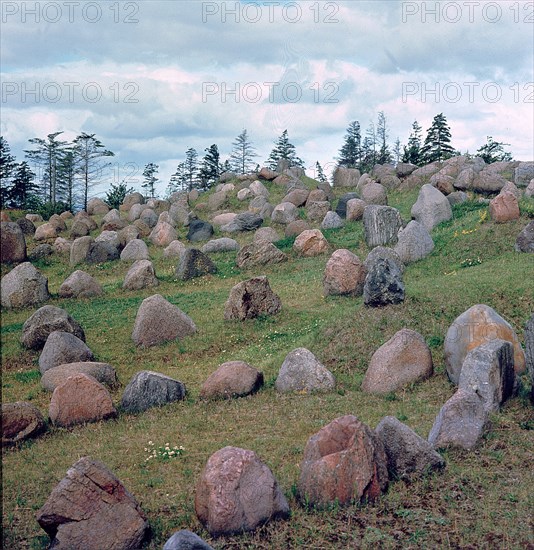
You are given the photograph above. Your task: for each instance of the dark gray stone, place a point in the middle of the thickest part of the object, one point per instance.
(194, 263)
(63, 347)
(245, 221)
(341, 208)
(383, 284)
(383, 252)
(40, 251)
(199, 231)
(101, 251)
(381, 225)
(525, 239)
(186, 540)
(27, 227)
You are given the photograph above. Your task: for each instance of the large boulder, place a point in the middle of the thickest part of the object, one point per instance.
(431, 207)
(284, 213)
(85, 504)
(80, 284)
(131, 199)
(355, 209)
(408, 455)
(341, 208)
(194, 263)
(267, 234)
(149, 217)
(343, 462)
(12, 243)
(24, 286)
(346, 177)
(504, 208)
(524, 173)
(294, 229)
(332, 221)
(101, 372)
(26, 226)
(237, 492)
(45, 232)
(311, 243)
(174, 250)
(381, 225)
(383, 284)
(223, 244)
(245, 221)
(383, 253)
(63, 347)
(140, 275)
(20, 421)
(461, 422)
(402, 360)
(414, 243)
(297, 196)
(159, 321)
(163, 234)
(476, 326)
(374, 193)
(232, 379)
(199, 231)
(149, 389)
(525, 239)
(316, 211)
(250, 299)
(344, 274)
(79, 250)
(43, 322)
(80, 228)
(259, 254)
(97, 206)
(488, 370)
(302, 372)
(102, 251)
(135, 250)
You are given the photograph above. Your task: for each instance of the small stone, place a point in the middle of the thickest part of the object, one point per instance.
(20, 421)
(311, 243)
(220, 245)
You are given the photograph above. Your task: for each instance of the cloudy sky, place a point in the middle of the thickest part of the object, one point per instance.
(153, 78)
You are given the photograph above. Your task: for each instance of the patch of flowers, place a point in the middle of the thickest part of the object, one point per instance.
(162, 452)
(470, 262)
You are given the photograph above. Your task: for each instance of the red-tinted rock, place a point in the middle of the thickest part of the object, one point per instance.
(504, 208)
(20, 421)
(232, 379)
(344, 274)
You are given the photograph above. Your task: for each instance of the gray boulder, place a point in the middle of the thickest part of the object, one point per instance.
(135, 250)
(284, 213)
(414, 243)
(194, 263)
(140, 275)
(525, 239)
(80, 285)
(259, 253)
(431, 207)
(374, 193)
(457, 197)
(174, 250)
(199, 231)
(23, 286)
(101, 372)
(26, 226)
(79, 250)
(301, 371)
(220, 245)
(346, 177)
(381, 225)
(151, 389)
(382, 253)
(383, 284)
(523, 173)
(149, 217)
(63, 347)
(332, 221)
(341, 208)
(40, 252)
(316, 211)
(267, 234)
(102, 251)
(186, 540)
(111, 237)
(245, 221)
(250, 299)
(12, 243)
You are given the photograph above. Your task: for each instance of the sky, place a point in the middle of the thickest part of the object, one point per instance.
(153, 78)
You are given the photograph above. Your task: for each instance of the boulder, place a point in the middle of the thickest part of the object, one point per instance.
(40, 252)
(101, 372)
(488, 370)
(102, 251)
(246, 221)
(341, 208)
(402, 360)
(24, 286)
(476, 326)
(179, 213)
(529, 192)
(82, 507)
(26, 226)
(250, 299)
(302, 372)
(149, 217)
(355, 208)
(62, 246)
(128, 234)
(159, 321)
(142, 228)
(97, 206)
(404, 169)
(457, 197)
(374, 193)
(257, 204)
(12, 243)
(431, 207)
(163, 234)
(383, 284)
(386, 175)
(344, 274)
(151, 389)
(414, 243)
(346, 177)
(45, 232)
(267, 174)
(524, 173)
(217, 201)
(504, 208)
(258, 189)
(316, 195)
(194, 263)
(58, 222)
(186, 540)
(244, 194)
(199, 231)
(90, 222)
(267, 234)
(34, 218)
(174, 250)
(220, 245)
(383, 253)
(112, 216)
(79, 250)
(509, 187)
(316, 211)
(408, 455)
(443, 183)
(20, 421)
(135, 250)
(232, 379)
(256, 254)
(135, 212)
(332, 221)
(311, 243)
(294, 229)
(297, 196)
(131, 199)
(80, 285)
(43, 322)
(63, 347)
(343, 462)
(529, 347)
(237, 492)
(381, 225)
(284, 213)
(224, 220)
(140, 275)
(80, 399)
(461, 422)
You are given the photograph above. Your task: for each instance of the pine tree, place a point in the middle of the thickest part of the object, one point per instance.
(397, 151)
(284, 150)
(7, 168)
(242, 154)
(412, 151)
(437, 142)
(24, 186)
(149, 185)
(66, 178)
(210, 169)
(382, 134)
(351, 152)
(369, 155)
(191, 168)
(178, 181)
(319, 174)
(493, 151)
(115, 196)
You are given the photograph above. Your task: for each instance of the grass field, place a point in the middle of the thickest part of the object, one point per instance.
(483, 499)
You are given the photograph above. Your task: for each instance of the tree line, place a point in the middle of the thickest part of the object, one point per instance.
(62, 174)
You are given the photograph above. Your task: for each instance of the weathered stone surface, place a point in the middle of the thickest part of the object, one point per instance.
(12, 243)
(217, 200)
(374, 193)
(111, 237)
(159, 321)
(267, 174)
(101, 372)
(382, 253)
(311, 243)
(296, 228)
(476, 326)
(232, 379)
(194, 263)
(80, 285)
(386, 175)
(267, 234)
(443, 183)
(383, 284)
(97, 206)
(257, 204)
(523, 173)
(431, 207)
(256, 254)
(58, 222)
(149, 217)
(20, 421)
(346, 177)
(245, 221)
(43, 322)
(529, 347)
(45, 232)
(26, 226)
(225, 220)
(62, 246)
(344, 274)
(237, 492)
(302, 372)
(316, 211)
(79, 250)
(101, 251)
(220, 245)
(35, 218)
(461, 422)
(343, 462)
(316, 195)
(131, 199)
(402, 360)
(457, 197)
(529, 191)
(251, 298)
(404, 169)
(258, 189)
(355, 208)
(24, 286)
(112, 216)
(244, 194)
(381, 225)
(91, 223)
(40, 252)
(199, 231)
(140, 275)
(63, 347)
(332, 221)
(149, 389)
(488, 370)
(128, 234)
(504, 208)
(85, 504)
(408, 455)
(284, 213)
(297, 196)
(179, 213)
(135, 212)
(186, 540)
(414, 243)
(163, 234)
(174, 250)
(79, 399)
(509, 187)
(341, 208)
(135, 250)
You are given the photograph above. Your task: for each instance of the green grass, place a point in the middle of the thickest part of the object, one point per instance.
(482, 499)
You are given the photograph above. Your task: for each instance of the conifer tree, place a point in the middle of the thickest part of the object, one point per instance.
(412, 151)
(242, 154)
(437, 142)
(149, 185)
(210, 169)
(7, 168)
(284, 150)
(351, 151)
(382, 134)
(191, 168)
(493, 151)
(23, 189)
(319, 175)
